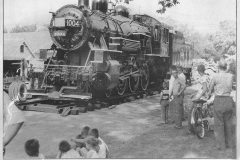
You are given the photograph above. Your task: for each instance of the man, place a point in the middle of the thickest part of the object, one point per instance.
(204, 80)
(171, 79)
(183, 78)
(178, 88)
(171, 109)
(223, 105)
(12, 120)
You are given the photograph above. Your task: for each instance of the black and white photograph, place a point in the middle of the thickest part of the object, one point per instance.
(119, 79)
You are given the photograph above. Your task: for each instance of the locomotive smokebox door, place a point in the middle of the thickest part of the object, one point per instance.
(69, 27)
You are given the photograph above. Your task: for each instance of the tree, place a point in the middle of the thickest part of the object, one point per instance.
(225, 40)
(166, 4)
(26, 28)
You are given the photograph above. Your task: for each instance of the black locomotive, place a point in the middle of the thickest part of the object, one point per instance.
(102, 52)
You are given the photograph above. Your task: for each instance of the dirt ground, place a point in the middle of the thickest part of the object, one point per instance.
(130, 130)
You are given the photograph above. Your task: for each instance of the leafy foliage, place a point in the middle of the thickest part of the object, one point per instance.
(232, 67)
(166, 4)
(225, 40)
(26, 28)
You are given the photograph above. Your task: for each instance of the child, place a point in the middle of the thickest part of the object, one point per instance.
(93, 147)
(80, 144)
(65, 151)
(85, 131)
(103, 151)
(164, 102)
(79, 140)
(32, 149)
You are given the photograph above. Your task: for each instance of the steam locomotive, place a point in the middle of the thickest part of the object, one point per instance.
(101, 52)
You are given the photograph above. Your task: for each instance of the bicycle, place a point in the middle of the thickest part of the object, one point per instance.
(199, 117)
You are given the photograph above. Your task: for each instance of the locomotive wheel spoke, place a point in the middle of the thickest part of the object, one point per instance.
(121, 88)
(133, 83)
(108, 93)
(145, 77)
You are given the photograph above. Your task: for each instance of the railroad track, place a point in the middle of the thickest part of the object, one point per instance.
(66, 106)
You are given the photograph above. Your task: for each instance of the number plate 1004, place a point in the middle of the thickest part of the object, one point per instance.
(72, 23)
(59, 33)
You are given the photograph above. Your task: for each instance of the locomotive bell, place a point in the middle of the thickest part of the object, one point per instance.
(122, 10)
(100, 5)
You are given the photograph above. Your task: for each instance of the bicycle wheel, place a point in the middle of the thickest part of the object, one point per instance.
(198, 124)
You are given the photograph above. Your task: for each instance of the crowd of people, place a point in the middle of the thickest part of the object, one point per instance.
(88, 144)
(215, 90)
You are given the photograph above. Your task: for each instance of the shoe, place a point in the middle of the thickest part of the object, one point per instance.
(178, 127)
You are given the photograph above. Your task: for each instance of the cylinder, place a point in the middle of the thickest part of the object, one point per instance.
(83, 3)
(100, 5)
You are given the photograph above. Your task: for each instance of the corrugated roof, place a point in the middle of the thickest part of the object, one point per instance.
(35, 40)
(12, 50)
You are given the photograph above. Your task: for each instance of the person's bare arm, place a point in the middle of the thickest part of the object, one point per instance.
(11, 133)
(161, 95)
(78, 140)
(183, 87)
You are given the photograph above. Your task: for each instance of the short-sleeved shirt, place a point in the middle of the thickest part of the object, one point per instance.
(71, 154)
(182, 77)
(103, 149)
(11, 114)
(171, 81)
(222, 84)
(203, 79)
(177, 85)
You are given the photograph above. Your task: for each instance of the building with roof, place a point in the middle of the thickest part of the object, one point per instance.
(17, 49)
(25, 45)
(35, 41)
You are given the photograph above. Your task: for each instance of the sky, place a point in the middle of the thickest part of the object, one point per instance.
(203, 15)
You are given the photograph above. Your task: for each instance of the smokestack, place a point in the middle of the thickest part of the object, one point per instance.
(83, 4)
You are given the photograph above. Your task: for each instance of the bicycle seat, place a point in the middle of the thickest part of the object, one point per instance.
(200, 101)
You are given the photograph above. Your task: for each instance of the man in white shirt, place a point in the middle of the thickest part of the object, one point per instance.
(182, 77)
(171, 109)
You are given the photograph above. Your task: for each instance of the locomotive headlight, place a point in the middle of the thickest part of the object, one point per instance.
(69, 28)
